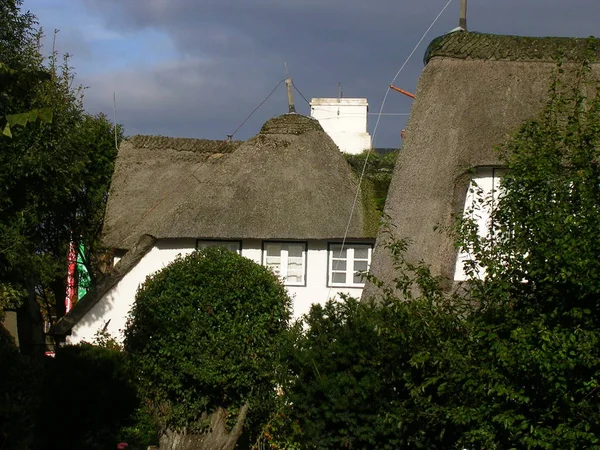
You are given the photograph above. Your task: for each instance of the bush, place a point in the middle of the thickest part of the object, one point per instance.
(203, 335)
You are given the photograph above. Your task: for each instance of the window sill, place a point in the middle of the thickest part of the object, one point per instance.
(361, 285)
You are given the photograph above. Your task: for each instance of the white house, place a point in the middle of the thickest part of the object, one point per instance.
(282, 199)
(345, 121)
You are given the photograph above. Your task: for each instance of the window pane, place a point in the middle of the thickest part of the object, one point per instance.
(295, 277)
(274, 264)
(337, 252)
(339, 264)
(338, 277)
(361, 266)
(358, 278)
(295, 250)
(273, 249)
(273, 257)
(361, 253)
(233, 247)
(295, 262)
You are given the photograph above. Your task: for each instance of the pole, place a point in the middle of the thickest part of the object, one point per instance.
(402, 91)
(463, 15)
(290, 93)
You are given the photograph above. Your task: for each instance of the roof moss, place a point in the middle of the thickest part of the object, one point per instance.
(295, 124)
(462, 45)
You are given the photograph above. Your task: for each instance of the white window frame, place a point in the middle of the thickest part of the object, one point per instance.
(229, 244)
(282, 270)
(485, 182)
(334, 253)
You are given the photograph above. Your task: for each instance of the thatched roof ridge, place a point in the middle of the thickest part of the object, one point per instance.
(85, 304)
(288, 182)
(183, 144)
(468, 45)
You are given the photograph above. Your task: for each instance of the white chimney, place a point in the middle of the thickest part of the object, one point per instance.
(345, 121)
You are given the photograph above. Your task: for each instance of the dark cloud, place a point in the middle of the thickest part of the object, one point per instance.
(230, 53)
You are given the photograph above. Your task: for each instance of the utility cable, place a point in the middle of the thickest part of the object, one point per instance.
(298, 91)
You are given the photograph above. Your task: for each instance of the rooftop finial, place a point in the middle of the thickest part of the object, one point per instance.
(462, 22)
(290, 93)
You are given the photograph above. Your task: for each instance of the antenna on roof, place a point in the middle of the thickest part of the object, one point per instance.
(290, 93)
(462, 21)
(115, 118)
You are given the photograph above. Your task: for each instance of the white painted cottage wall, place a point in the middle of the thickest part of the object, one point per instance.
(117, 302)
(345, 121)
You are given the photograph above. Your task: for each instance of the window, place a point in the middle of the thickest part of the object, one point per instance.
(483, 192)
(346, 265)
(232, 246)
(287, 260)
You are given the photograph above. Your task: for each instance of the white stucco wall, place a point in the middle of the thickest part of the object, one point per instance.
(344, 120)
(115, 305)
(117, 302)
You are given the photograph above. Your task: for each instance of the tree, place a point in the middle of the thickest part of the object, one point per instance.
(54, 179)
(13, 80)
(203, 336)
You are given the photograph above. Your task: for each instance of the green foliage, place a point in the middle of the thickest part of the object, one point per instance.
(12, 81)
(19, 395)
(378, 172)
(54, 175)
(88, 397)
(510, 360)
(358, 372)
(204, 333)
(536, 331)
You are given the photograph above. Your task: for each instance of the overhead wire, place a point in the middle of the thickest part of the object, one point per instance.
(192, 175)
(301, 95)
(364, 168)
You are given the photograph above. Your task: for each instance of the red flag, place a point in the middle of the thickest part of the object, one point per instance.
(71, 266)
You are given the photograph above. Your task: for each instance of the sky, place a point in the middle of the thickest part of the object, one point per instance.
(197, 68)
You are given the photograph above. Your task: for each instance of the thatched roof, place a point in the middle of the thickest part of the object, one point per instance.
(122, 268)
(288, 182)
(475, 91)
